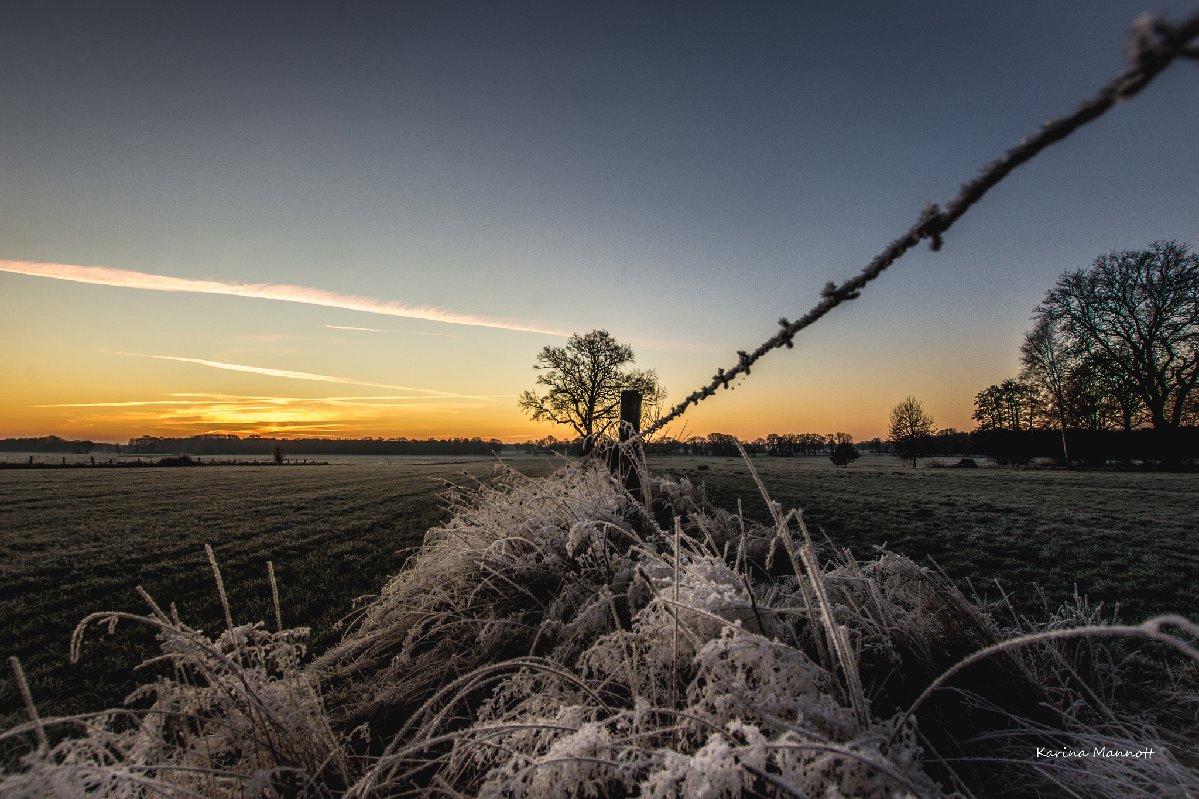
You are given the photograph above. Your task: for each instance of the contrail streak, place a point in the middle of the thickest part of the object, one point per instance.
(124, 278)
(380, 330)
(131, 404)
(286, 373)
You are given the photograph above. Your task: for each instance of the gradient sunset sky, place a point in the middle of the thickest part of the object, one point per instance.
(367, 219)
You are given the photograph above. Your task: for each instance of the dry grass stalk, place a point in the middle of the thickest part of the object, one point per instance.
(270, 574)
(30, 707)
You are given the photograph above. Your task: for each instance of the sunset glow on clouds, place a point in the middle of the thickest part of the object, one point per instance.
(183, 414)
(124, 278)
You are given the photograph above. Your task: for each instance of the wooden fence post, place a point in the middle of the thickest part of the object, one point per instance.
(624, 459)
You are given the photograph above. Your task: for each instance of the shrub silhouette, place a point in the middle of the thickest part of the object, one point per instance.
(844, 454)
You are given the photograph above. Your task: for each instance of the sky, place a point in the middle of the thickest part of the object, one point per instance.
(367, 219)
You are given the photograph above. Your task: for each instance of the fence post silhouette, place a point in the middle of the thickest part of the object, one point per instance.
(623, 459)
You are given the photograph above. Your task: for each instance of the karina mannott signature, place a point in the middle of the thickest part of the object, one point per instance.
(1098, 751)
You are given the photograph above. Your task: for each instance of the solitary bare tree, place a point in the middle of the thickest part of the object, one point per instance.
(583, 381)
(910, 429)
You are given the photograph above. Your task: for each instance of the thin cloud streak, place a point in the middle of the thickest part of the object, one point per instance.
(133, 404)
(285, 373)
(125, 278)
(365, 399)
(379, 330)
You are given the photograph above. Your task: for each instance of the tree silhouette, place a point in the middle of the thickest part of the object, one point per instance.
(1131, 321)
(583, 381)
(1010, 405)
(844, 454)
(1049, 368)
(910, 429)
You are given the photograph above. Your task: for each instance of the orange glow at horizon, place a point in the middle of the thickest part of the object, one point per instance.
(279, 377)
(186, 414)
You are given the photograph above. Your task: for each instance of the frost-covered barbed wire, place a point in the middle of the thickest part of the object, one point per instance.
(1153, 44)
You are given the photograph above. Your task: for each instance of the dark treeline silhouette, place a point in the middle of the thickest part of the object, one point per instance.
(722, 445)
(220, 444)
(1090, 447)
(774, 444)
(952, 442)
(1087, 447)
(49, 444)
(1007, 446)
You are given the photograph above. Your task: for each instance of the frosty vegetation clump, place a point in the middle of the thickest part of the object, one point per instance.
(560, 637)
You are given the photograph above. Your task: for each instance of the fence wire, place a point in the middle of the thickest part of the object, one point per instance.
(1153, 44)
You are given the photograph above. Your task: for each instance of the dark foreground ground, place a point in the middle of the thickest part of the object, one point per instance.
(78, 541)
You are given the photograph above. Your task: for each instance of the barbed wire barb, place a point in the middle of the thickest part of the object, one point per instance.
(1153, 44)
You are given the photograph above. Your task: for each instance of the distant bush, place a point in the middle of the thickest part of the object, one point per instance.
(177, 460)
(844, 454)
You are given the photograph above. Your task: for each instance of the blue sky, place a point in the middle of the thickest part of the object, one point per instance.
(679, 174)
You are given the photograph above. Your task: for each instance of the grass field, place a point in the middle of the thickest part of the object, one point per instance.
(1126, 537)
(1028, 537)
(77, 541)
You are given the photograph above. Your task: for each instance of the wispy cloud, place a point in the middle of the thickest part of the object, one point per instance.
(380, 330)
(125, 278)
(286, 373)
(131, 404)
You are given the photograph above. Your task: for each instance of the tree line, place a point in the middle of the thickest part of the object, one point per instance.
(48, 444)
(721, 445)
(228, 444)
(776, 444)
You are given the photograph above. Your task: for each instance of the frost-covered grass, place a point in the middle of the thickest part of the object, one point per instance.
(559, 637)
(1120, 537)
(78, 541)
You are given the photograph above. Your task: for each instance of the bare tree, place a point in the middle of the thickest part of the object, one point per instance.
(910, 428)
(1048, 363)
(1136, 314)
(583, 382)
